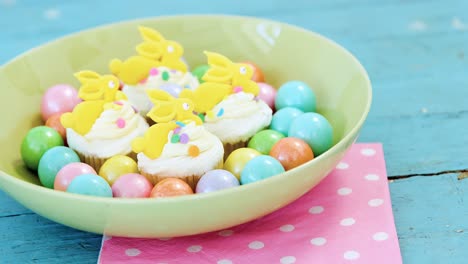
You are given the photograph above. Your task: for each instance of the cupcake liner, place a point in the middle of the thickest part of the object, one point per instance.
(229, 148)
(97, 162)
(191, 180)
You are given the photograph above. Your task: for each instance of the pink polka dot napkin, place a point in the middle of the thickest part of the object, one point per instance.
(347, 218)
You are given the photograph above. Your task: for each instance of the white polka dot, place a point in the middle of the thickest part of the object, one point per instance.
(318, 241)
(375, 202)
(368, 152)
(287, 228)
(347, 222)
(226, 233)
(316, 210)
(380, 236)
(288, 260)
(372, 177)
(342, 166)
(351, 255)
(52, 14)
(344, 191)
(132, 252)
(165, 238)
(224, 261)
(194, 248)
(256, 245)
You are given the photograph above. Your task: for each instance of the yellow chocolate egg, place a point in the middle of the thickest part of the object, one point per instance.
(238, 158)
(117, 166)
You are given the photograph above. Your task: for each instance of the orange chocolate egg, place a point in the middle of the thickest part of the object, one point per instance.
(257, 73)
(171, 187)
(291, 152)
(54, 122)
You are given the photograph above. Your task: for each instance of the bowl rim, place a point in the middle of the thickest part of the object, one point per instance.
(199, 196)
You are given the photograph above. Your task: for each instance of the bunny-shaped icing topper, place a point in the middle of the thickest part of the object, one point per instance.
(223, 78)
(167, 108)
(83, 116)
(168, 52)
(223, 70)
(95, 87)
(206, 95)
(153, 141)
(134, 69)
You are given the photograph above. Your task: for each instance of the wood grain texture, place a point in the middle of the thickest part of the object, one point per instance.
(415, 52)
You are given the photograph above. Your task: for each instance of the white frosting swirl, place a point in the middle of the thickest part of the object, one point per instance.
(175, 160)
(136, 94)
(111, 134)
(242, 117)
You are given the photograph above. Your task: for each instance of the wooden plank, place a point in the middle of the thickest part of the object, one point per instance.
(26, 237)
(430, 215)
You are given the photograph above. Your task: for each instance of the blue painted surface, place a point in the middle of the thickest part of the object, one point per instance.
(416, 53)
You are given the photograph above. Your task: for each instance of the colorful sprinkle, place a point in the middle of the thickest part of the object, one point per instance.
(184, 138)
(165, 75)
(143, 81)
(202, 117)
(175, 138)
(237, 89)
(120, 123)
(193, 151)
(118, 103)
(181, 124)
(135, 110)
(177, 130)
(220, 112)
(186, 86)
(153, 72)
(173, 71)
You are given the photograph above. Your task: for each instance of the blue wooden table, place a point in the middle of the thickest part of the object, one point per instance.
(416, 53)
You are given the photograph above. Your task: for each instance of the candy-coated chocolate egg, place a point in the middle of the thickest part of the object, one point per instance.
(264, 140)
(314, 129)
(216, 180)
(295, 94)
(132, 185)
(199, 71)
(283, 118)
(257, 73)
(90, 184)
(69, 172)
(60, 98)
(173, 88)
(260, 168)
(171, 187)
(52, 162)
(117, 166)
(36, 143)
(54, 122)
(236, 161)
(292, 152)
(267, 94)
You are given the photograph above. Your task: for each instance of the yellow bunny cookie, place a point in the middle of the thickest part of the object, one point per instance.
(95, 87)
(169, 52)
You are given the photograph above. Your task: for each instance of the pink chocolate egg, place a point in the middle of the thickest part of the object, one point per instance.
(132, 185)
(267, 94)
(70, 172)
(58, 99)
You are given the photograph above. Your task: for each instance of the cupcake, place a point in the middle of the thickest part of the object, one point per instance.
(178, 146)
(99, 127)
(228, 100)
(158, 65)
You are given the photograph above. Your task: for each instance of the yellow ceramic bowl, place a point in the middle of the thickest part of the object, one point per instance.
(282, 51)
